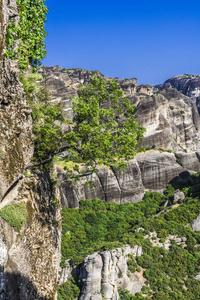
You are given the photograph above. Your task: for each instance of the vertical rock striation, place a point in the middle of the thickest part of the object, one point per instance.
(148, 171)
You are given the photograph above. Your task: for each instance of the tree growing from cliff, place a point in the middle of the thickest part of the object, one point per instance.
(104, 130)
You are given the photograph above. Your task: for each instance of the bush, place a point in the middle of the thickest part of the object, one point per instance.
(68, 290)
(15, 214)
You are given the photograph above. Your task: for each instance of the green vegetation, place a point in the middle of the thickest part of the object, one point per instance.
(30, 33)
(125, 295)
(169, 274)
(96, 137)
(47, 134)
(171, 107)
(182, 112)
(66, 163)
(178, 160)
(68, 290)
(99, 225)
(15, 214)
(94, 72)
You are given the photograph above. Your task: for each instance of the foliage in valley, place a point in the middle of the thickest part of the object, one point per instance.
(169, 274)
(68, 290)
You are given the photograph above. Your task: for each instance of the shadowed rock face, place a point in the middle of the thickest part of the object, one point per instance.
(16, 146)
(188, 85)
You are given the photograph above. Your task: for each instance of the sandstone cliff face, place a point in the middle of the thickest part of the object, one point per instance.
(171, 121)
(28, 259)
(102, 273)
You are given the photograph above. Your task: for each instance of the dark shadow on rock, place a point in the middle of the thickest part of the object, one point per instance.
(181, 179)
(17, 287)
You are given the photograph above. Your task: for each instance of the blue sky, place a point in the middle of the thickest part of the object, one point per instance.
(149, 40)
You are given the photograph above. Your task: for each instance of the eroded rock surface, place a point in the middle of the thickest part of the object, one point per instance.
(170, 118)
(29, 259)
(172, 123)
(196, 224)
(178, 195)
(148, 171)
(103, 272)
(188, 85)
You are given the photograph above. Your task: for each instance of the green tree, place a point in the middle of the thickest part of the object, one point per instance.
(104, 130)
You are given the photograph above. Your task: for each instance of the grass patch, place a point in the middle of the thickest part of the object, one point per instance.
(63, 162)
(14, 214)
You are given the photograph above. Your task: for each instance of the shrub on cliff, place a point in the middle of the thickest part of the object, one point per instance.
(29, 32)
(15, 214)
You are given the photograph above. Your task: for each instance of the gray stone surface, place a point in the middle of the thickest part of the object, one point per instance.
(103, 272)
(166, 127)
(188, 85)
(196, 224)
(189, 161)
(178, 195)
(171, 121)
(16, 145)
(151, 170)
(130, 183)
(30, 259)
(158, 169)
(197, 277)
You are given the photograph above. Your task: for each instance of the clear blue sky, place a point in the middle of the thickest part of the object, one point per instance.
(150, 40)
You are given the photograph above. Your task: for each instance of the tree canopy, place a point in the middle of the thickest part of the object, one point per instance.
(103, 132)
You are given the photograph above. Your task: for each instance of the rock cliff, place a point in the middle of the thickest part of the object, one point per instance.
(188, 85)
(102, 273)
(29, 259)
(171, 121)
(148, 171)
(170, 118)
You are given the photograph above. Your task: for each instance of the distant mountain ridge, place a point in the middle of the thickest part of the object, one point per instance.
(188, 85)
